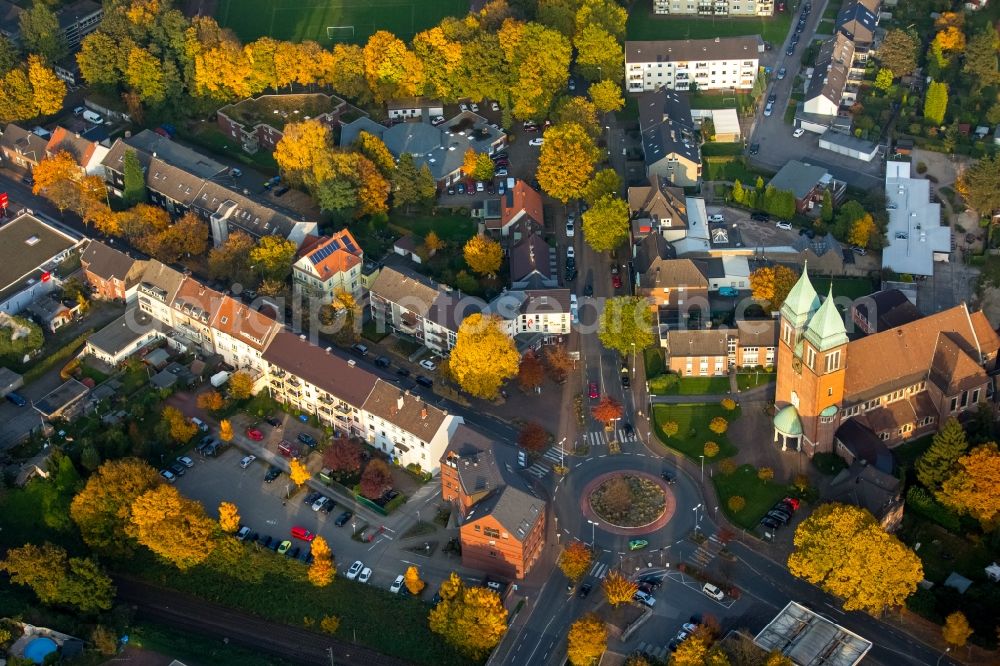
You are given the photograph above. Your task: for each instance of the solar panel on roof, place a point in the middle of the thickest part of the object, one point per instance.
(321, 254)
(350, 247)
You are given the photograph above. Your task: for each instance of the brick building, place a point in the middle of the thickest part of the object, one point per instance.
(259, 123)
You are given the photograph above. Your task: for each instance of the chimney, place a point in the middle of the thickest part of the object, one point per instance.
(399, 402)
(423, 413)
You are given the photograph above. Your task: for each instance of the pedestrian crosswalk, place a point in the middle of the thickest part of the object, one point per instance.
(544, 465)
(602, 437)
(706, 552)
(600, 570)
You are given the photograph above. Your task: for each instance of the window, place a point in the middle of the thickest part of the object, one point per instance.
(826, 419)
(954, 404)
(829, 390)
(975, 396)
(833, 361)
(810, 357)
(491, 533)
(786, 334)
(965, 399)
(883, 435)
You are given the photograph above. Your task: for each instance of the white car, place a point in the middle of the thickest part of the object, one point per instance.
(570, 229)
(247, 461)
(437, 120)
(495, 106)
(480, 186)
(645, 598)
(463, 107)
(717, 217)
(536, 142)
(501, 172)
(787, 226)
(713, 591)
(474, 107)
(768, 109)
(574, 309)
(365, 575)
(428, 365)
(187, 462)
(355, 569)
(570, 252)
(397, 584)
(799, 132)
(320, 503)
(168, 475)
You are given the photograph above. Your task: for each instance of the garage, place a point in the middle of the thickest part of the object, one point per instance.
(844, 144)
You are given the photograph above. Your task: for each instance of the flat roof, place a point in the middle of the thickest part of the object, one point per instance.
(809, 639)
(850, 142)
(279, 110)
(26, 244)
(915, 233)
(122, 332)
(61, 397)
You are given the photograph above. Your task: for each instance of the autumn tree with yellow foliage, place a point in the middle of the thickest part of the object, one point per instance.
(240, 385)
(297, 472)
(391, 69)
(619, 589)
(229, 517)
(606, 223)
(772, 284)
(575, 560)
(587, 640)
(972, 487)
(225, 430)
(322, 570)
(413, 581)
(607, 96)
(304, 153)
(48, 90)
(181, 429)
(956, 629)
(483, 255)
(102, 510)
(566, 162)
(173, 526)
(484, 356)
(861, 231)
(844, 550)
(471, 619)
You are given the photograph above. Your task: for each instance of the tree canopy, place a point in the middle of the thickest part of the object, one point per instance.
(566, 162)
(772, 284)
(173, 526)
(626, 324)
(472, 619)
(575, 560)
(59, 579)
(587, 640)
(606, 223)
(972, 488)
(484, 356)
(103, 509)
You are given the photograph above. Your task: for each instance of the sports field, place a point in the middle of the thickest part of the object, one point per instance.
(334, 21)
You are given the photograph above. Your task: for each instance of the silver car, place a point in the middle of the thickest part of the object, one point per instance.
(319, 503)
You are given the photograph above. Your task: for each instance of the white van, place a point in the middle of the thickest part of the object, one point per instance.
(201, 424)
(713, 591)
(92, 117)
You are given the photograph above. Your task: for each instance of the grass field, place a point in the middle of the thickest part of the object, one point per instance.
(759, 495)
(692, 421)
(852, 288)
(642, 24)
(355, 20)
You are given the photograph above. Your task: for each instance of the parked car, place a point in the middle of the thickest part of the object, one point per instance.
(772, 98)
(754, 148)
(570, 229)
(768, 109)
(255, 434)
(284, 546)
(243, 533)
(397, 584)
(424, 381)
(360, 349)
(501, 172)
(669, 477)
(495, 106)
(713, 591)
(770, 523)
(302, 533)
(272, 474)
(273, 422)
(403, 372)
(178, 469)
(354, 570)
(463, 107)
(798, 132)
(781, 224)
(16, 399)
(857, 249)
(760, 217)
(593, 392)
(792, 502)
(312, 497)
(570, 252)
(343, 518)
(168, 475)
(187, 462)
(428, 365)
(716, 217)
(365, 575)
(461, 188)
(645, 598)
(652, 580)
(474, 108)
(383, 362)
(265, 541)
(536, 142)
(307, 439)
(584, 590)
(616, 278)
(319, 503)
(246, 461)
(790, 50)
(781, 73)
(329, 505)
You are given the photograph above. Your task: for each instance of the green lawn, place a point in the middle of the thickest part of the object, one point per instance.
(697, 386)
(450, 227)
(692, 421)
(721, 149)
(832, 9)
(749, 380)
(642, 24)
(789, 117)
(728, 169)
(759, 495)
(719, 100)
(194, 648)
(825, 27)
(355, 20)
(655, 364)
(850, 287)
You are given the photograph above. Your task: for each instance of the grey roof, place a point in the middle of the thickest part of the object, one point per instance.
(175, 154)
(674, 273)
(514, 509)
(830, 73)
(798, 178)
(848, 141)
(173, 182)
(697, 343)
(162, 278)
(530, 257)
(122, 332)
(649, 250)
(886, 309)
(75, 12)
(106, 262)
(47, 308)
(441, 148)
(659, 201)
(807, 637)
(857, 22)
(61, 397)
(666, 126)
(18, 140)
(409, 288)
(27, 244)
(10, 19)
(757, 332)
(915, 232)
(325, 370)
(719, 48)
(865, 445)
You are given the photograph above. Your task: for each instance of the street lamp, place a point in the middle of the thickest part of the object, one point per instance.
(593, 527)
(562, 453)
(695, 509)
(946, 651)
(702, 468)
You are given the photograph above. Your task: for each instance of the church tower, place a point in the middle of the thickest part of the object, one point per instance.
(812, 361)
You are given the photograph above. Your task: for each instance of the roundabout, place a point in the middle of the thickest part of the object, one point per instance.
(628, 502)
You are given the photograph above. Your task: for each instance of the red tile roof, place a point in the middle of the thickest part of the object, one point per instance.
(345, 254)
(520, 199)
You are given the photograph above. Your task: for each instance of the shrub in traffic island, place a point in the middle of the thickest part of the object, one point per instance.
(728, 404)
(727, 466)
(736, 503)
(628, 501)
(711, 449)
(718, 425)
(765, 474)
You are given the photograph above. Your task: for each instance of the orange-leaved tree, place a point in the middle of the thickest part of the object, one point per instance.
(413, 582)
(533, 437)
(297, 472)
(229, 517)
(173, 526)
(472, 619)
(322, 569)
(619, 589)
(225, 430)
(575, 560)
(210, 400)
(530, 373)
(607, 410)
(587, 640)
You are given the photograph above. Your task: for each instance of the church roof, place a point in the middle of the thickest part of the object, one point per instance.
(787, 422)
(826, 328)
(801, 301)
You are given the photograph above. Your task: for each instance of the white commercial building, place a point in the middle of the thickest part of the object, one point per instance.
(715, 8)
(723, 63)
(915, 235)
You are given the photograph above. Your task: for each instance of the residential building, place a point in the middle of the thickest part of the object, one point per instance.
(915, 234)
(469, 471)
(672, 283)
(179, 179)
(807, 183)
(825, 90)
(899, 383)
(715, 352)
(857, 21)
(87, 153)
(413, 432)
(871, 486)
(30, 252)
(849, 145)
(533, 264)
(712, 64)
(155, 290)
(716, 8)
(124, 337)
(442, 147)
(329, 263)
(110, 273)
(241, 335)
(78, 19)
(258, 123)
(10, 21)
(63, 402)
(658, 208)
(520, 205)
(883, 310)
(414, 107)
(21, 148)
(669, 143)
(754, 343)
(52, 313)
(533, 317)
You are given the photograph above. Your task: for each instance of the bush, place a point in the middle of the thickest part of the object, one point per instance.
(663, 383)
(921, 501)
(921, 167)
(765, 474)
(395, 503)
(727, 466)
(718, 425)
(330, 624)
(711, 449)
(728, 404)
(736, 503)
(801, 482)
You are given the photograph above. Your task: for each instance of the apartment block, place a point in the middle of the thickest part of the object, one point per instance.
(716, 8)
(722, 63)
(329, 263)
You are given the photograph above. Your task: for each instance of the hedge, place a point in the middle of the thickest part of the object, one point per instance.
(920, 501)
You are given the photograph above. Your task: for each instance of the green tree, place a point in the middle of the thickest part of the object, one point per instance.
(537, 59)
(566, 162)
(979, 185)
(135, 180)
(10, 56)
(936, 102)
(981, 58)
(338, 195)
(936, 463)
(102, 59)
(40, 32)
(626, 324)
(883, 80)
(605, 224)
(605, 182)
(405, 191)
(90, 459)
(599, 54)
(898, 52)
(606, 96)
(273, 257)
(826, 210)
(738, 193)
(59, 579)
(484, 168)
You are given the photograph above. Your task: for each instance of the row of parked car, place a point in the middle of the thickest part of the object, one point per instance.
(780, 513)
(279, 545)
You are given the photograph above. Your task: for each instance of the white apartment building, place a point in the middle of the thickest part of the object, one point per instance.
(242, 335)
(328, 264)
(715, 7)
(723, 63)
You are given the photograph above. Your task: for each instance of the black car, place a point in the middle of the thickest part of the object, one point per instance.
(669, 477)
(281, 191)
(311, 497)
(272, 474)
(770, 523)
(178, 469)
(652, 580)
(403, 372)
(382, 362)
(206, 443)
(275, 544)
(304, 555)
(343, 518)
(293, 553)
(502, 155)
(328, 507)
(273, 422)
(424, 381)
(588, 290)
(307, 439)
(627, 427)
(265, 541)
(451, 189)
(754, 148)
(252, 538)
(772, 98)
(584, 590)
(626, 382)
(790, 50)
(360, 349)
(778, 516)
(760, 217)
(309, 558)
(570, 274)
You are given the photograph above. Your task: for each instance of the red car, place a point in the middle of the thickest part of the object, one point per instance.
(594, 393)
(616, 278)
(255, 434)
(302, 533)
(792, 502)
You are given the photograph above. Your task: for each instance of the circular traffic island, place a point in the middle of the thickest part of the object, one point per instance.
(628, 500)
